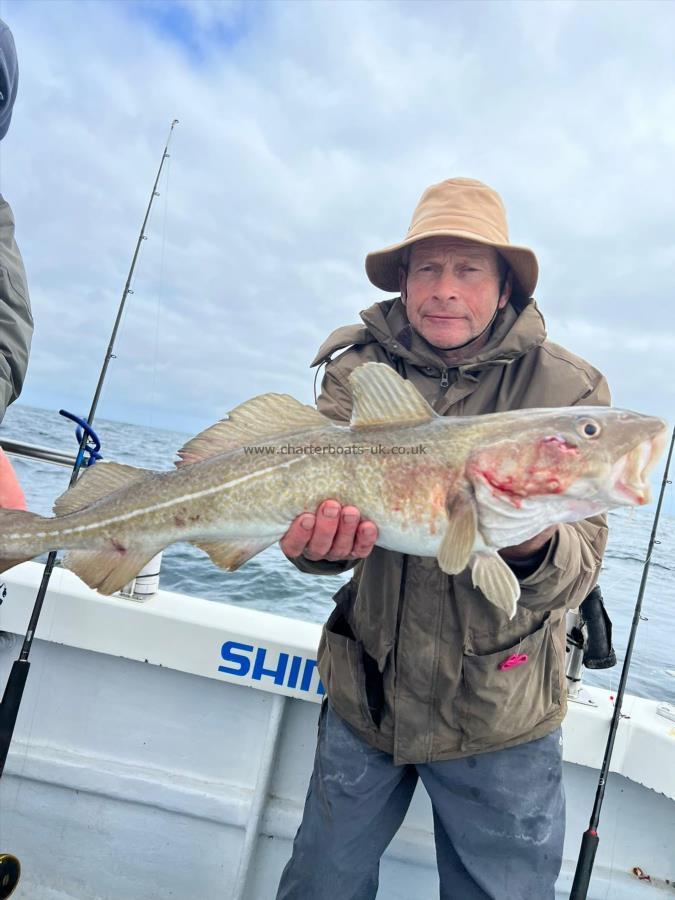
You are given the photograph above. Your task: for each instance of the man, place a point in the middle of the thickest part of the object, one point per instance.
(16, 321)
(410, 657)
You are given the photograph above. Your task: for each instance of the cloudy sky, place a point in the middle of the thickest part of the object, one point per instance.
(307, 132)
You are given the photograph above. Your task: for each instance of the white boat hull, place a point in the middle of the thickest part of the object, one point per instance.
(137, 769)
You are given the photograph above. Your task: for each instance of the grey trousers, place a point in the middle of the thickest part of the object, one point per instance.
(499, 819)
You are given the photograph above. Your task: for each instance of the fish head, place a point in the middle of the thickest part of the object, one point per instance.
(594, 458)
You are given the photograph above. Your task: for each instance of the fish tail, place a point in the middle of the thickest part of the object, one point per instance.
(18, 542)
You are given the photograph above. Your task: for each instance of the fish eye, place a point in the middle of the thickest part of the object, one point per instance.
(588, 428)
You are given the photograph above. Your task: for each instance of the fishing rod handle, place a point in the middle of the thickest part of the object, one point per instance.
(9, 708)
(582, 876)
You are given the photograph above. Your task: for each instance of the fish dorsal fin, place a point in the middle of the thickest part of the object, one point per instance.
(96, 482)
(382, 397)
(260, 419)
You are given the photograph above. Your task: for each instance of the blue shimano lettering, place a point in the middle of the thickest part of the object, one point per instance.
(296, 662)
(259, 669)
(258, 663)
(242, 663)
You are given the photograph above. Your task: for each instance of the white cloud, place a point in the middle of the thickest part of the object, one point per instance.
(308, 131)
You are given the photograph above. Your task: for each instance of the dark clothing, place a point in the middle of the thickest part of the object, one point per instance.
(411, 658)
(499, 819)
(430, 643)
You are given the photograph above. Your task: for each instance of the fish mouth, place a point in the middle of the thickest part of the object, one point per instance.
(630, 473)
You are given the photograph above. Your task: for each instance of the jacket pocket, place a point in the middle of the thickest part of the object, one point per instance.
(341, 667)
(508, 693)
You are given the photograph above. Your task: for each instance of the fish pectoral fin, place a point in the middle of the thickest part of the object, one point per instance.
(98, 481)
(255, 421)
(460, 534)
(495, 579)
(108, 570)
(382, 397)
(230, 555)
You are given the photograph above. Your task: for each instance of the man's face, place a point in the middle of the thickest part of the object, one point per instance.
(451, 290)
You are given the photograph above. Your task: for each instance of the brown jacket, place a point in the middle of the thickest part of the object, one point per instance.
(410, 656)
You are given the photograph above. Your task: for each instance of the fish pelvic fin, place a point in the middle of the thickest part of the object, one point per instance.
(96, 482)
(260, 419)
(16, 522)
(494, 578)
(230, 555)
(108, 571)
(382, 397)
(460, 534)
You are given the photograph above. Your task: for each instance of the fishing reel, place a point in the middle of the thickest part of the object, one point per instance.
(10, 872)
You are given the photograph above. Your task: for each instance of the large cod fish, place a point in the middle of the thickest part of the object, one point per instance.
(458, 488)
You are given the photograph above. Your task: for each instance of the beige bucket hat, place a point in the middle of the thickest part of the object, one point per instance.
(458, 207)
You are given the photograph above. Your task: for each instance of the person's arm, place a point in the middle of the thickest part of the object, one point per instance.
(16, 320)
(569, 569)
(11, 495)
(560, 566)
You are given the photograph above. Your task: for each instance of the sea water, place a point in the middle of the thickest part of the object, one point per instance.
(269, 582)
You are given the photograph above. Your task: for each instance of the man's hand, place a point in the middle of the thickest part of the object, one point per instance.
(334, 533)
(530, 547)
(11, 495)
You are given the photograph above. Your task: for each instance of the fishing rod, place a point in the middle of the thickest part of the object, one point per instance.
(590, 839)
(9, 707)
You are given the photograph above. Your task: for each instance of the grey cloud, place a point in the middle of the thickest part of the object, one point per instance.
(308, 131)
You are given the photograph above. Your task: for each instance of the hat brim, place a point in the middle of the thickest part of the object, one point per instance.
(382, 266)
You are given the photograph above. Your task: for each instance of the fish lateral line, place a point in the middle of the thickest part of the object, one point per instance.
(165, 504)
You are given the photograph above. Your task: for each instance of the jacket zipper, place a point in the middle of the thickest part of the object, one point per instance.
(399, 616)
(444, 377)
